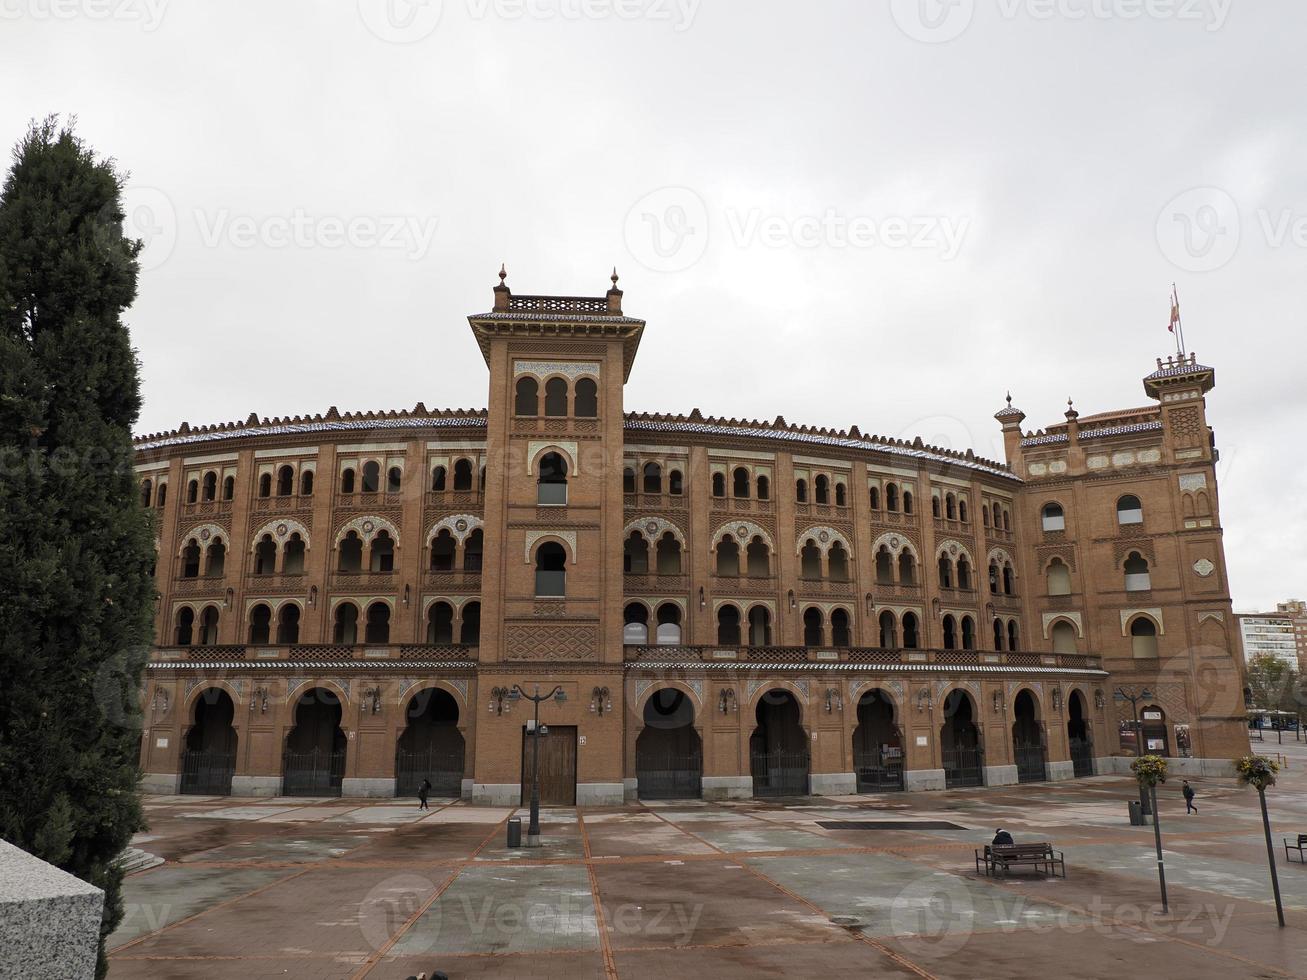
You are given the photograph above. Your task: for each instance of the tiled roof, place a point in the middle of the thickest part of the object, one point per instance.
(1121, 430)
(807, 665)
(1045, 440)
(1176, 370)
(368, 665)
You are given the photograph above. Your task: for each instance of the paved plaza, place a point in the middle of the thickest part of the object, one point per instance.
(331, 888)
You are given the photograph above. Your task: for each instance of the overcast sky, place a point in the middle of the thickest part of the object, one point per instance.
(881, 212)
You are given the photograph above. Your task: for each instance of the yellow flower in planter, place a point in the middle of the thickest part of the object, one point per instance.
(1149, 770)
(1257, 771)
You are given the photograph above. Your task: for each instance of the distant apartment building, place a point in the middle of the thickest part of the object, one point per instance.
(1282, 633)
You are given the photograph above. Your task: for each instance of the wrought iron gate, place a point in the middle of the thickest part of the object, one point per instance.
(878, 771)
(779, 773)
(669, 775)
(316, 773)
(443, 768)
(962, 767)
(1082, 756)
(207, 773)
(1030, 762)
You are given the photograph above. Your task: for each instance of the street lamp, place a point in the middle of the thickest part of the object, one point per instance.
(559, 695)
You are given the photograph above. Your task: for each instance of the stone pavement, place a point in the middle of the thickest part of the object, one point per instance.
(341, 889)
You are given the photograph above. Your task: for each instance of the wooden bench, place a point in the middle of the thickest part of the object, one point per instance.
(1003, 857)
(1300, 845)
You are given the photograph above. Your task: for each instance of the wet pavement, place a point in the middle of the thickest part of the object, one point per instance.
(331, 888)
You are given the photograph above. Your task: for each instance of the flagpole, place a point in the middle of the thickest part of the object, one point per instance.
(1179, 323)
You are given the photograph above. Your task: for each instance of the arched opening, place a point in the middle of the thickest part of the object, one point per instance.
(968, 633)
(1009, 579)
(778, 747)
(350, 553)
(964, 573)
(551, 570)
(907, 501)
(394, 479)
(950, 507)
(191, 559)
(1053, 517)
(463, 476)
(959, 740)
(1059, 577)
(728, 556)
(551, 485)
(1027, 739)
(945, 572)
(260, 624)
(635, 554)
(841, 495)
(669, 624)
(146, 489)
(431, 747)
(526, 400)
(1153, 720)
(285, 481)
(675, 483)
(161, 495)
(1129, 510)
(889, 631)
(345, 628)
(764, 488)
(208, 633)
(1143, 638)
(669, 554)
(265, 556)
(628, 479)
(1012, 636)
(653, 478)
(810, 561)
(555, 397)
(758, 557)
(184, 633)
(962, 510)
(668, 750)
(347, 481)
(1064, 637)
(907, 568)
(877, 745)
(314, 761)
(1080, 735)
(891, 497)
(759, 626)
(587, 399)
(469, 631)
(442, 551)
(473, 550)
(728, 626)
(950, 633)
(821, 489)
(814, 629)
(440, 623)
(371, 477)
(841, 633)
(910, 640)
(292, 562)
(719, 485)
(635, 629)
(740, 483)
(288, 624)
(209, 751)
(1137, 577)
(438, 477)
(837, 563)
(873, 496)
(210, 486)
(884, 566)
(377, 629)
(998, 635)
(801, 491)
(306, 483)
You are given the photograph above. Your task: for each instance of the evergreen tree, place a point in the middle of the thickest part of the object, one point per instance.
(76, 546)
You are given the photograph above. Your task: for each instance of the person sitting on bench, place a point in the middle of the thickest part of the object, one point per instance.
(1001, 837)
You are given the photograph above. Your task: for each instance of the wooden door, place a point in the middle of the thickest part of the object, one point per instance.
(557, 766)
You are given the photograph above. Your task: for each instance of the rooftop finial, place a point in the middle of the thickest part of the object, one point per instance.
(614, 277)
(503, 273)
(1009, 399)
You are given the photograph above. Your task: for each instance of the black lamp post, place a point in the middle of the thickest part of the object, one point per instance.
(1134, 697)
(559, 695)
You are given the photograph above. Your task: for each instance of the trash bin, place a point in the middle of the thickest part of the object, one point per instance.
(1136, 814)
(515, 831)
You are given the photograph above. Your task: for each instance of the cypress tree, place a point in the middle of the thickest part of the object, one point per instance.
(76, 545)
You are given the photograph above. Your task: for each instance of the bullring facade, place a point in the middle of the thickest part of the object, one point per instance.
(352, 603)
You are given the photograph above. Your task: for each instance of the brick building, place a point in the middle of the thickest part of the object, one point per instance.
(725, 608)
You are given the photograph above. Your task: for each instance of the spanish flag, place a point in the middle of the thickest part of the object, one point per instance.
(1175, 310)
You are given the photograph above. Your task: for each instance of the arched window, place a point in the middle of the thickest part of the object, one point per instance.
(481, 483)
(351, 553)
(675, 485)
(346, 628)
(377, 629)
(442, 551)
(371, 476)
(394, 479)
(185, 626)
(551, 570)
(191, 559)
(1059, 578)
(840, 634)
(764, 488)
(635, 632)
(306, 483)
(555, 397)
(285, 481)
(265, 556)
(821, 489)
(146, 490)
(874, 495)
(719, 485)
(910, 640)
(669, 624)
(889, 631)
(260, 624)
(950, 507)
(1129, 510)
(962, 510)
(628, 479)
(526, 402)
(907, 568)
(669, 555)
(907, 501)
(215, 560)
(810, 560)
(728, 626)
(587, 399)
(228, 488)
(1007, 520)
(1143, 637)
(469, 630)
(292, 562)
(381, 556)
(837, 562)
(758, 557)
(161, 495)
(1137, 577)
(728, 556)
(759, 626)
(1053, 517)
(463, 476)
(814, 629)
(347, 480)
(265, 486)
(994, 578)
(209, 626)
(551, 486)
(1064, 637)
(440, 623)
(1012, 635)
(968, 633)
(801, 491)
(984, 514)
(635, 554)
(945, 572)
(288, 623)
(210, 486)
(950, 633)
(998, 634)
(653, 478)
(437, 479)
(740, 483)
(891, 497)
(1009, 579)
(964, 573)
(840, 495)
(473, 550)
(884, 566)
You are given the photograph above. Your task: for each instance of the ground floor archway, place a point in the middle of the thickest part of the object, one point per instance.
(779, 759)
(877, 745)
(668, 750)
(208, 759)
(1028, 740)
(1079, 736)
(431, 747)
(314, 760)
(959, 740)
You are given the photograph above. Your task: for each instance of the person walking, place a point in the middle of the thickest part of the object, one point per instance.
(423, 792)
(1188, 799)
